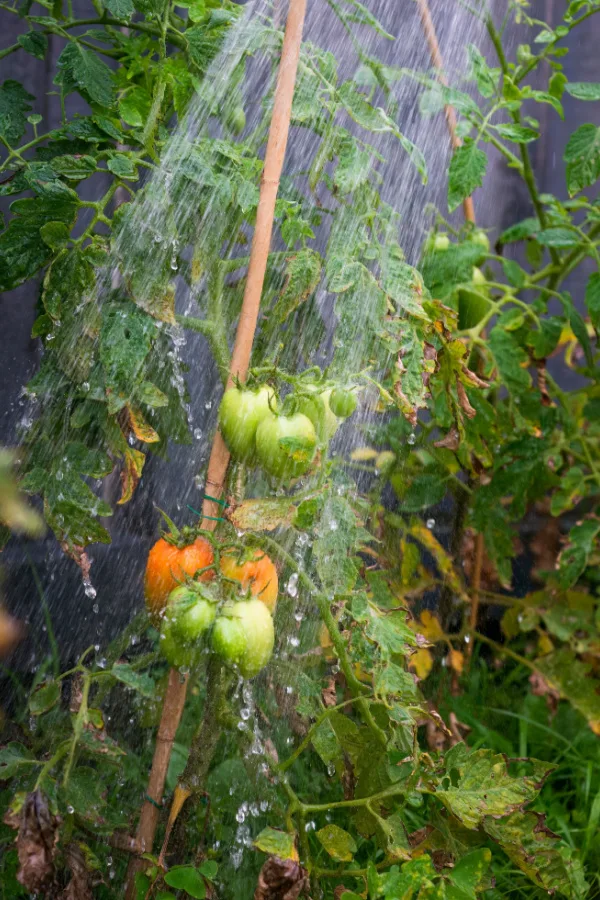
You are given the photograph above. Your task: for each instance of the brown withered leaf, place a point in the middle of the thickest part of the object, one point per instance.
(540, 365)
(417, 837)
(541, 688)
(463, 400)
(281, 879)
(80, 885)
(450, 441)
(36, 843)
(329, 694)
(79, 556)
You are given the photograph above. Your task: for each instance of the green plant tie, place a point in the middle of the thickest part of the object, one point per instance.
(202, 516)
(153, 802)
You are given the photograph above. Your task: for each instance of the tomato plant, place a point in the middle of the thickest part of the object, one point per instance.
(399, 719)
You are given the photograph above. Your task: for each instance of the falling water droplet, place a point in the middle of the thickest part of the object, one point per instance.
(411, 439)
(430, 523)
(292, 585)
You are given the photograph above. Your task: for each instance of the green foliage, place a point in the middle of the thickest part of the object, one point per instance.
(360, 786)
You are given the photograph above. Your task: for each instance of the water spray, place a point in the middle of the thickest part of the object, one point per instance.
(219, 459)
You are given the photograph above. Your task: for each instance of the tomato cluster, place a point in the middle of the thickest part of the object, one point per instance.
(282, 442)
(235, 610)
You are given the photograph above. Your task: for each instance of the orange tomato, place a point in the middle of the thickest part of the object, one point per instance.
(257, 574)
(168, 565)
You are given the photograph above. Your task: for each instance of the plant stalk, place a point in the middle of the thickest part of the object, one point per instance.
(219, 460)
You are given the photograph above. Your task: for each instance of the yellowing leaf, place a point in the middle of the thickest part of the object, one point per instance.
(142, 430)
(277, 843)
(421, 662)
(545, 645)
(337, 843)
(131, 473)
(429, 626)
(456, 661)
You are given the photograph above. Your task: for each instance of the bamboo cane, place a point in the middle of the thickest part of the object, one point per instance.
(219, 459)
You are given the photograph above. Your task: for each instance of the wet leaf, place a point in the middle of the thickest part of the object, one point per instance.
(480, 785)
(44, 698)
(36, 842)
(280, 879)
(337, 843)
(539, 853)
(262, 515)
(277, 843)
(139, 681)
(13, 757)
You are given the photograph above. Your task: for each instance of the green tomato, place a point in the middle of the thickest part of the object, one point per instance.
(343, 403)
(286, 445)
(318, 410)
(229, 639)
(260, 636)
(192, 622)
(480, 237)
(178, 652)
(441, 242)
(240, 414)
(473, 305)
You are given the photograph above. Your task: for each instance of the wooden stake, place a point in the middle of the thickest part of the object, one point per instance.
(219, 459)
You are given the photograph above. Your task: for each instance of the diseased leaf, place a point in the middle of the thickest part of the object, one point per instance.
(337, 843)
(539, 853)
(479, 785)
(262, 515)
(277, 843)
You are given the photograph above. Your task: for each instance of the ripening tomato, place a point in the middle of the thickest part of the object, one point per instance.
(286, 445)
(245, 636)
(255, 572)
(342, 403)
(240, 414)
(168, 564)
